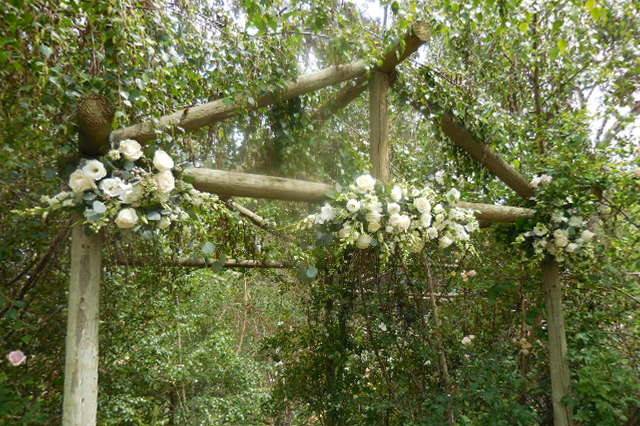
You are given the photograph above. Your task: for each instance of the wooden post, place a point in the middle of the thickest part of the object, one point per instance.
(379, 125)
(81, 361)
(560, 379)
(94, 118)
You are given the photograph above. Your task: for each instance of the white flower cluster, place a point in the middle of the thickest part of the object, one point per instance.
(566, 234)
(541, 180)
(367, 215)
(130, 194)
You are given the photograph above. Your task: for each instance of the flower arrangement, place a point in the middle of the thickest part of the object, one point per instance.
(128, 189)
(565, 234)
(561, 233)
(369, 214)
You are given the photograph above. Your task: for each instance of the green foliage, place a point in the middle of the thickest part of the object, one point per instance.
(551, 86)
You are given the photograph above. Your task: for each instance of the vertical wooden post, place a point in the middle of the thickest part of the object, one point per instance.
(81, 361)
(379, 147)
(558, 363)
(80, 404)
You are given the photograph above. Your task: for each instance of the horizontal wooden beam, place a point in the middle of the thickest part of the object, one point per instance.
(234, 184)
(202, 263)
(493, 213)
(260, 186)
(195, 117)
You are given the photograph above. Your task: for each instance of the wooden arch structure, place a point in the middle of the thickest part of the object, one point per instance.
(95, 121)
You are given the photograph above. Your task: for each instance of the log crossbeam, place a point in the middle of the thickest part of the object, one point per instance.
(234, 184)
(195, 117)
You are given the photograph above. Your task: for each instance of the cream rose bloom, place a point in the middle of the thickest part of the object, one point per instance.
(365, 183)
(373, 217)
(94, 169)
(131, 194)
(396, 193)
(422, 204)
(327, 213)
(353, 205)
(374, 226)
(113, 187)
(393, 208)
(165, 182)
(130, 149)
(453, 195)
(80, 182)
(587, 235)
(432, 233)
(162, 161)
(363, 241)
(127, 218)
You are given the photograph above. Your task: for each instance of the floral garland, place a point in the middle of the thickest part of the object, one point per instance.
(369, 214)
(128, 189)
(562, 233)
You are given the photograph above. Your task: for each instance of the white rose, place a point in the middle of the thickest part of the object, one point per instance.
(576, 221)
(373, 217)
(460, 232)
(112, 187)
(394, 219)
(439, 177)
(438, 209)
(425, 220)
(345, 231)
(365, 183)
(587, 235)
(131, 194)
(540, 230)
(439, 218)
(363, 241)
(374, 206)
(327, 213)
(445, 242)
(396, 193)
(162, 161)
(165, 182)
(127, 218)
(373, 226)
(353, 205)
(572, 247)
(94, 169)
(453, 195)
(467, 340)
(130, 149)
(164, 223)
(422, 204)
(432, 233)
(561, 238)
(80, 182)
(404, 222)
(393, 208)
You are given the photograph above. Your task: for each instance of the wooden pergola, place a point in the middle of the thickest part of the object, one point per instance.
(95, 125)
